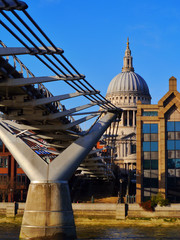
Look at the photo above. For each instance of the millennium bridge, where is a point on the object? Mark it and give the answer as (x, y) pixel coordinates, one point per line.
(42, 134)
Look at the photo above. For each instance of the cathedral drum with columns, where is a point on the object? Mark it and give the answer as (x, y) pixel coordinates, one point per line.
(124, 91)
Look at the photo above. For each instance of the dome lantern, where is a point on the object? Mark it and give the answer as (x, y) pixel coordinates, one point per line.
(129, 83)
(128, 60)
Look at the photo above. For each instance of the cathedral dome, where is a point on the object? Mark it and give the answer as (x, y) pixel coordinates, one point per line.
(128, 82)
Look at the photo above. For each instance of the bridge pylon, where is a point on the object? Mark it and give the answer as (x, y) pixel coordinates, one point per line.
(48, 212)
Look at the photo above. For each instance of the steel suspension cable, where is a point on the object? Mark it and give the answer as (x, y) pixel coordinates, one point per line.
(89, 98)
(42, 32)
(105, 102)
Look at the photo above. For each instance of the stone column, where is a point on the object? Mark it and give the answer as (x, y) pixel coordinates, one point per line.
(48, 213)
(129, 148)
(122, 119)
(125, 149)
(121, 151)
(128, 118)
(134, 118)
(162, 157)
(139, 169)
(117, 150)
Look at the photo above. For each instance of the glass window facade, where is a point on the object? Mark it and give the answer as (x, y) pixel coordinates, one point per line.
(150, 160)
(173, 160)
(150, 113)
(3, 162)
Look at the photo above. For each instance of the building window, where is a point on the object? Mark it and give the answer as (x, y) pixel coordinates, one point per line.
(133, 148)
(146, 128)
(150, 113)
(21, 179)
(170, 126)
(130, 118)
(3, 178)
(3, 162)
(173, 160)
(1, 146)
(150, 160)
(125, 118)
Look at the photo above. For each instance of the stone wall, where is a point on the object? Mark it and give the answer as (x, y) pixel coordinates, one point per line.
(134, 210)
(102, 210)
(11, 209)
(95, 210)
(120, 211)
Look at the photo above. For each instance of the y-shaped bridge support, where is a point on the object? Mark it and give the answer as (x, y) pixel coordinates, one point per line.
(48, 213)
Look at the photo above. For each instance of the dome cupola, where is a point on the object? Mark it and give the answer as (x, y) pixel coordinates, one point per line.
(128, 60)
(128, 82)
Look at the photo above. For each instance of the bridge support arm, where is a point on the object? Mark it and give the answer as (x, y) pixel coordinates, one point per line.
(34, 167)
(63, 167)
(48, 212)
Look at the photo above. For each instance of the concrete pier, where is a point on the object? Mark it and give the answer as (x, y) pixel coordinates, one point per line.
(48, 213)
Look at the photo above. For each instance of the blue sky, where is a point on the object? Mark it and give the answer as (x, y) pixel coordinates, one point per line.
(93, 34)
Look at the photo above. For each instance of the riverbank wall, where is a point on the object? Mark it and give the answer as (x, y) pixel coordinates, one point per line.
(121, 211)
(102, 211)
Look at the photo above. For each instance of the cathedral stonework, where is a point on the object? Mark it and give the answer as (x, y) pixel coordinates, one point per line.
(124, 91)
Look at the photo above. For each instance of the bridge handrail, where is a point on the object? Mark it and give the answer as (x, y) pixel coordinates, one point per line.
(40, 86)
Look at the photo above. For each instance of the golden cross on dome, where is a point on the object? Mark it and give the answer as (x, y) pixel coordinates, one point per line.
(128, 42)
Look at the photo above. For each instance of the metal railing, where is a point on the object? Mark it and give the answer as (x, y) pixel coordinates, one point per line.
(27, 73)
